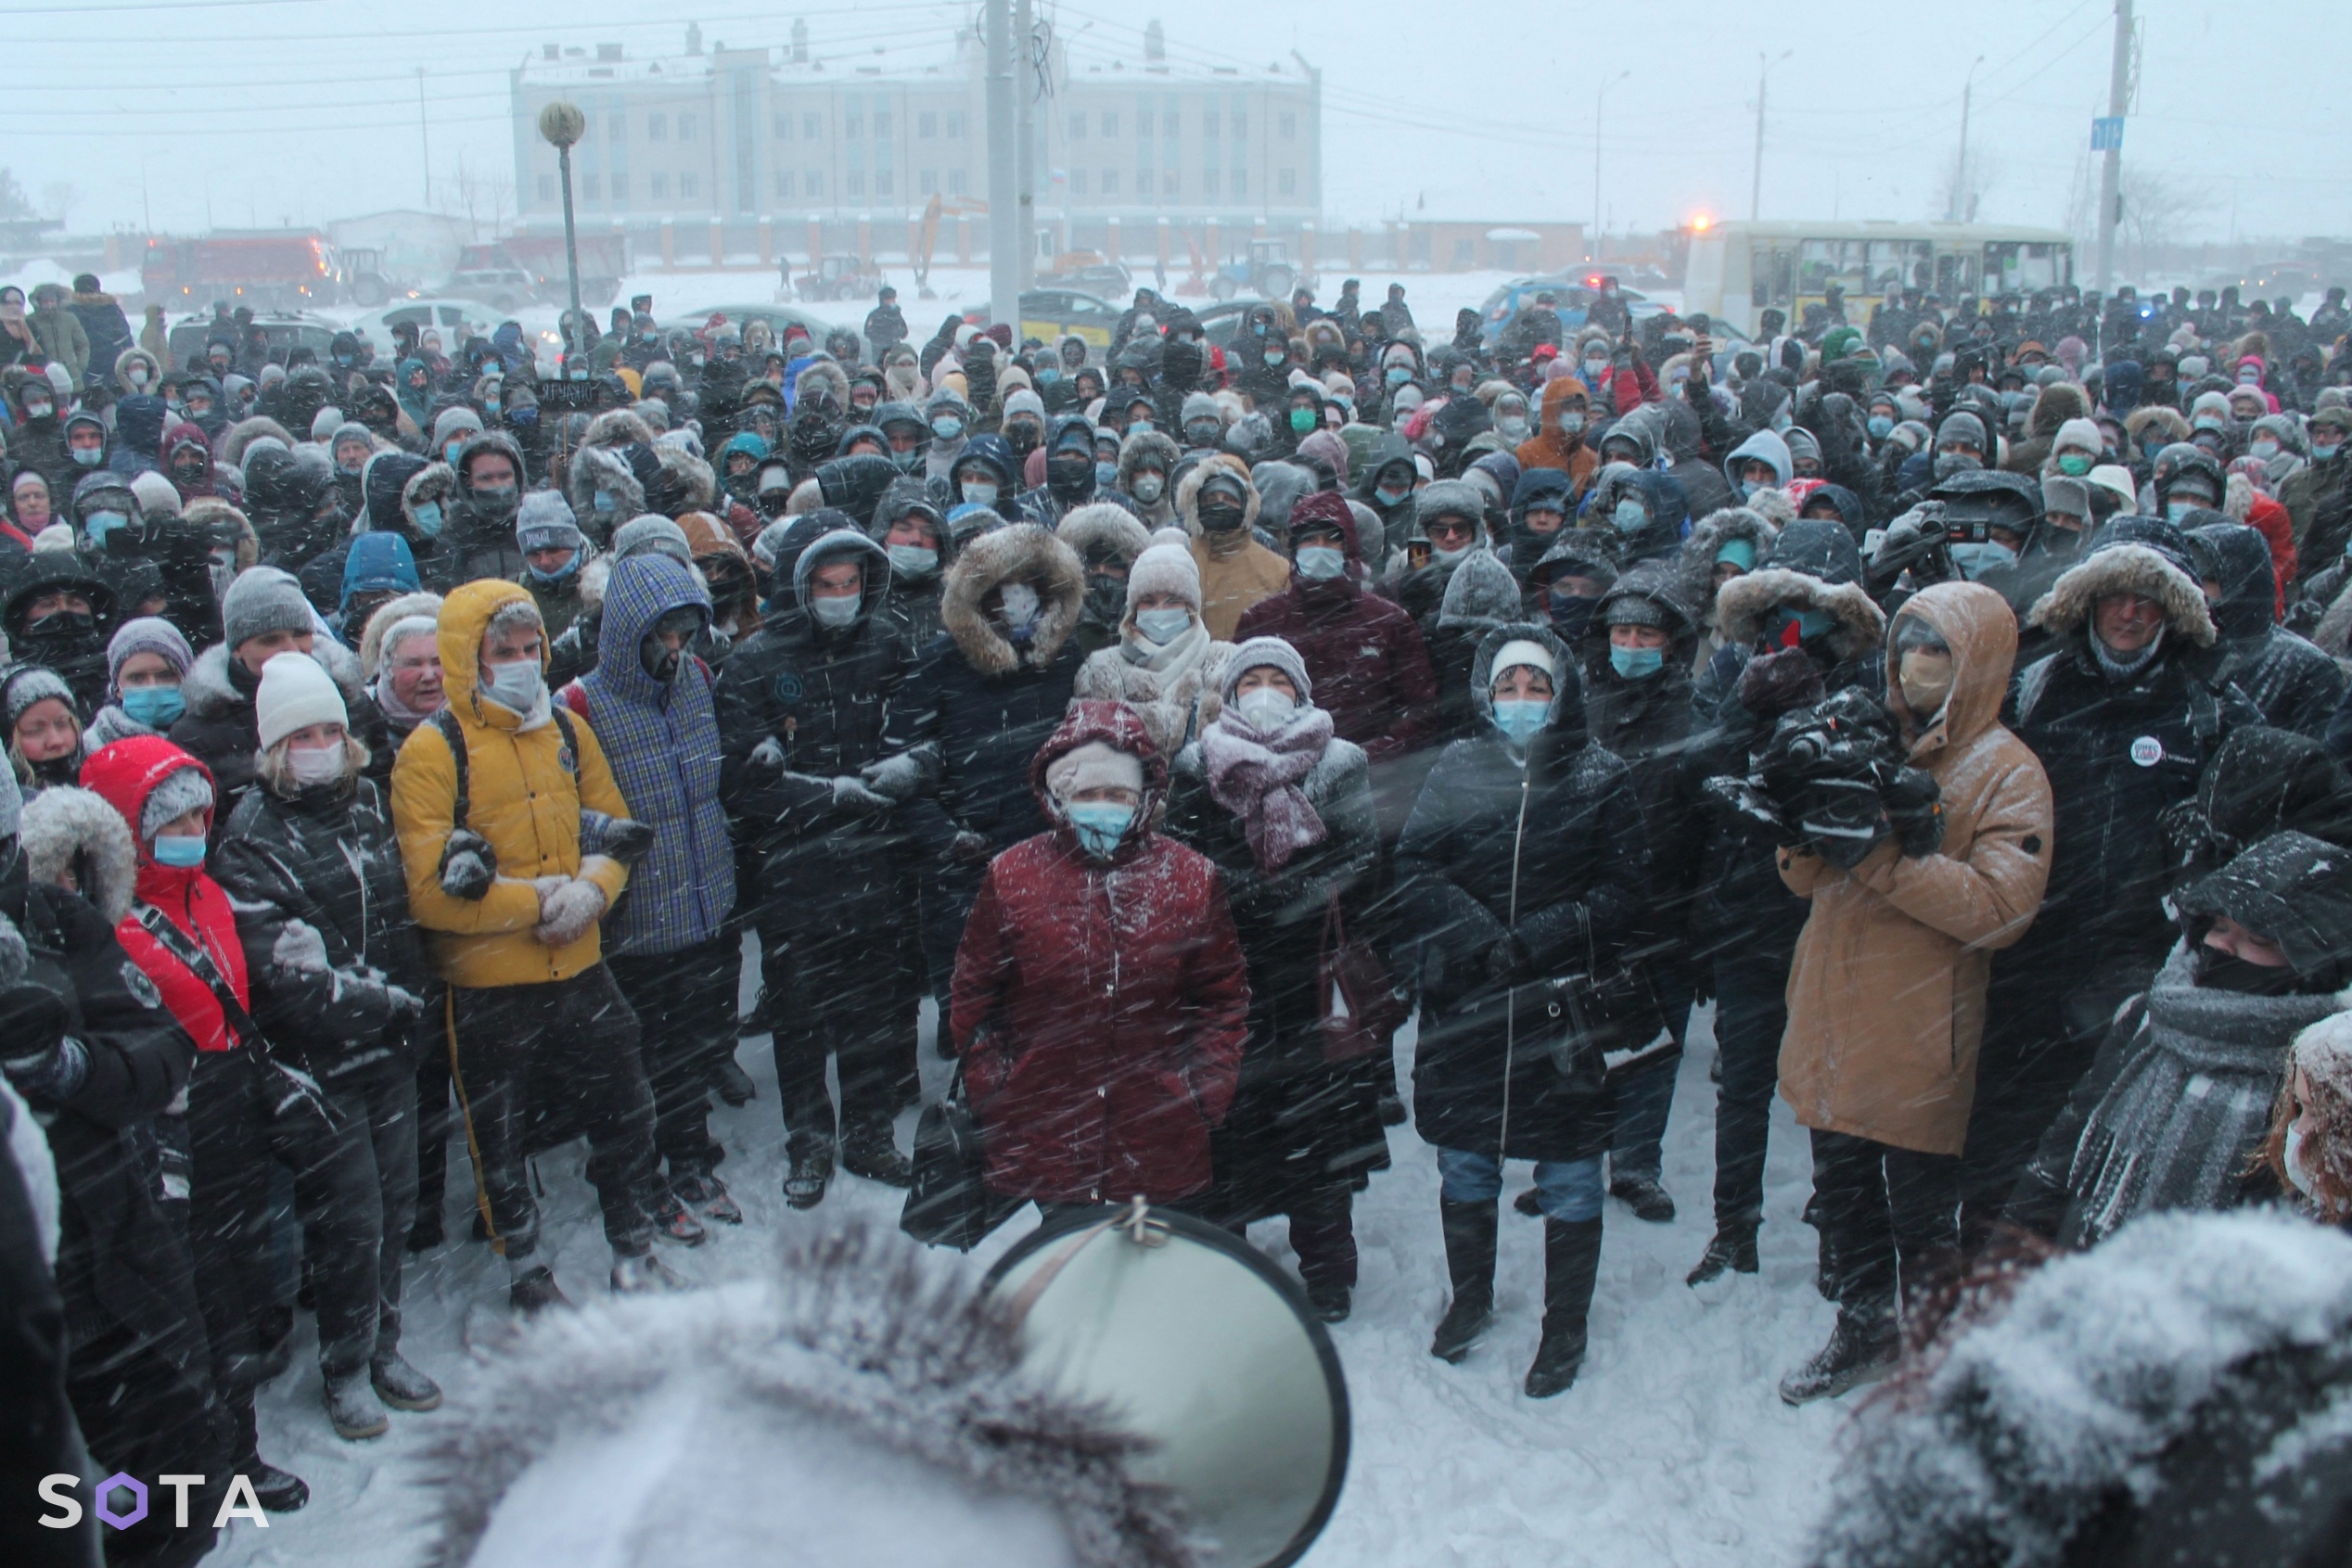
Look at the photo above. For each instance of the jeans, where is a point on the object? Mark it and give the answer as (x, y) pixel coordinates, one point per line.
(1751, 1014)
(1642, 1102)
(1565, 1189)
(1890, 1216)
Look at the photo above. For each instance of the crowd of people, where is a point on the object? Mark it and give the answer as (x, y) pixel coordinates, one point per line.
(403, 749)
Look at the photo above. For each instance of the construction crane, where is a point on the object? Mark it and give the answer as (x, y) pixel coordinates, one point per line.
(933, 210)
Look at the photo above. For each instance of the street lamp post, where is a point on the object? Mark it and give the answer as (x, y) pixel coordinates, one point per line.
(1952, 210)
(562, 123)
(1756, 185)
(1598, 99)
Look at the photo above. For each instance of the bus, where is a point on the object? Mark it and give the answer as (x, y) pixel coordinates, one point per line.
(1738, 270)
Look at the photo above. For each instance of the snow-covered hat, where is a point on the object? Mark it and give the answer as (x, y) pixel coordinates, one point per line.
(1521, 651)
(1095, 765)
(296, 692)
(1165, 568)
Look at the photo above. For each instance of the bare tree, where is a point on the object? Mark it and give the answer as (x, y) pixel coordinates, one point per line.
(2156, 206)
(485, 201)
(59, 198)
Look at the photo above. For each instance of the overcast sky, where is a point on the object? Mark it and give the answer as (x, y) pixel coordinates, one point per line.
(264, 110)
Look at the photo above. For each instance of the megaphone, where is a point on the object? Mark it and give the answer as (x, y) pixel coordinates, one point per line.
(1190, 1339)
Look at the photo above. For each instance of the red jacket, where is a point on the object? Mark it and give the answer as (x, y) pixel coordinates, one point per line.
(1100, 1008)
(124, 774)
(1365, 656)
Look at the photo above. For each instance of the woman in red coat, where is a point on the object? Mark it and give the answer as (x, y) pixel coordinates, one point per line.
(1100, 1000)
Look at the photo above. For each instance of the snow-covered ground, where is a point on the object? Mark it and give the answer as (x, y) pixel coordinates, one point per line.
(1672, 1448)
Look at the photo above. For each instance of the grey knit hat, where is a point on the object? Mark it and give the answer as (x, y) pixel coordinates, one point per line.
(544, 521)
(182, 791)
(30, 683)
(651, 532)
(1260, 653)
(148, 634)
(2066, 495)
(261, 601)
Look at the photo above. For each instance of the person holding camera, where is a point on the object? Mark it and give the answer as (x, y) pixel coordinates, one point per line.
(1887, 995)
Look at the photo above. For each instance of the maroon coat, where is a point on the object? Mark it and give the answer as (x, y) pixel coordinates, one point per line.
(1365, 655)
(1100, 1008)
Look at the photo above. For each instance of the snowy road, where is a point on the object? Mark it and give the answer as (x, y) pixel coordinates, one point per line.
(1672, 1448)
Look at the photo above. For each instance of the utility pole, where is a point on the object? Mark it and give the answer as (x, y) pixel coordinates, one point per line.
(1598, 99)
(2111, 160)
(1025, 133)
(1952, 213)
(1004, 210)
(1756, 185)
(424, 135)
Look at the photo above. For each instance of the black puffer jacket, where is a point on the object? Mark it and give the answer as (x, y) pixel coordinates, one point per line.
(479, 538)
(221, 730)
(395, 485)
(322, 911)
(1543, 860)
(2296, 686)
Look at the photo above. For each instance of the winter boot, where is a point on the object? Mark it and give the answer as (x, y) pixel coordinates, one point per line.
(1644, 1196)
(672, 1220)
(1732, 1250)
(1469, 1232)
(427, 1232)
(804, 1184)
(733, 1085)
(1392, 1110)
(400, 1385)
(1529, 1203)
(1571, 1262)
(1329, 1303)
(279, 1491)
(708, 1196)
(868, 1150)
(533, 1290)
(1863, 1347)
(641, 1273)
(352, 1405)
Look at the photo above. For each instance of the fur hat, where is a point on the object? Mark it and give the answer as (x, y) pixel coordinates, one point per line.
(69, 832)
(388, 619)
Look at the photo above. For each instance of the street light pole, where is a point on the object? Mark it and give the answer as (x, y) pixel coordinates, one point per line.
(1003, 208)
(1756, 184)
(562, 123)
(1952, 213)
(1598, 99)
(424, 135)
(2111, 159)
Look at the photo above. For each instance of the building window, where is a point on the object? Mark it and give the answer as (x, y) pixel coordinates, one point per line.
(1286, 183)
(546, 188)
(685, 187)
(955, 182)
(927, 183)
(1142, 182)
(854, 126)
(1110, 182)
(813, 183)
(955, 125)
(926, 125)
(1078, 182)
(1209, 184)
(1209, 124)
(855, 183)
(783, 127)
(661, 187)
(1143, 124)
(1171, 181)
(1241, 182)
(618, 129)
(685, 127)
(619, 186)
(812, 127)
(1289, 126)
(1078, 127)
(881, 123)
(881, 182)
(657, 127)
(784, 186)
(1167, 123)
(1110, 122)
(591, 186)
(1241, 124)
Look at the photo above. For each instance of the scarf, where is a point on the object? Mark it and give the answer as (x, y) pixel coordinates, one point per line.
(1254, 773)
(1163, 683)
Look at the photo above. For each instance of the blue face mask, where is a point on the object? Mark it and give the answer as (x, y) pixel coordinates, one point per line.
(1100, 824)
(516, 687)
(1048, 373)
(1637, 664)
(1809, 624)
(1520, 720)
(181, 853)
(1163, 627)
(1397, 374)
(428, 517)
(912, 561)
(97, 525)
(449, 452)
(1880, 426)
(559, 574)
(155, 707)
(523, 416)
(1974, 559)
(1105, 474)
(1388, 496)
(1630, 517)
(1748, 488)
(2323, 453)
(1319, 562)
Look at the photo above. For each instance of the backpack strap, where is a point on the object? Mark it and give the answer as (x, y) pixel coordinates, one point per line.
(455, 733)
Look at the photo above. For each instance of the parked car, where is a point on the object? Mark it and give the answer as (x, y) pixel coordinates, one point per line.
(505, 289)
(285, 330)
(1047, 314)
(1571, 295)
(443, 315)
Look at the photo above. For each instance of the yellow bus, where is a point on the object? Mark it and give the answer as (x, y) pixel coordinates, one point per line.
(1738, 270)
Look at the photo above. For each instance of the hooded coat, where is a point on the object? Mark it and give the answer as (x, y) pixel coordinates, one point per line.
(2295, 684)
(2053, 405)
(662, 740)
(1550, 447)
(1813, 567)
(1894, 1060)
(394, 485)
(1533, 865)
(221, 730)
(481, 541)
(1100, 1006)
(915, 601)
(526, 789)
(1235, 570)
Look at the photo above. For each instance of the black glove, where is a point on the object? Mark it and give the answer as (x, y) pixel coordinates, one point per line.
(626, 840)
(469, 865)
(32, 1023)
(970, 849)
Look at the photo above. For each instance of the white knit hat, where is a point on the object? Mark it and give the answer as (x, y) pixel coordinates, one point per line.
(1165, 568)
(1518, 651)
(1095, 765)
(295, 694)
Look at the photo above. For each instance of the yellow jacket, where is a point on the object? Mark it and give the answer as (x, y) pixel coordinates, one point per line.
(524, 796)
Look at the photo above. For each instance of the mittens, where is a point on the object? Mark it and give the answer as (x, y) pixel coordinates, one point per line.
(469, 865)
(566, 914)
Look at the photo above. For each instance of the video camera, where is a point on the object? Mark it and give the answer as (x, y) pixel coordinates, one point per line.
(1833, 779)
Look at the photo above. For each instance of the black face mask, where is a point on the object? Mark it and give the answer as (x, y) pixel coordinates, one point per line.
(1070, 475)
(1106, 598)
(1220, 516)
(2217, 971)
(62, 627)
(57, 771)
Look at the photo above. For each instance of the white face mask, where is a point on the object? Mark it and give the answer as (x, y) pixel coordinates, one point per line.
(516, 687)
(1020, 607)
(1265, 708)
(2291, 1157)
(312, 766)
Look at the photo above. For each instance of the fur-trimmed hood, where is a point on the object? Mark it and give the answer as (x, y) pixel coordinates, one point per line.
(2169, 422)
(2053, 405)
(223, 520)
(822, 375)
(210, 692)
(1103, 528)
(1031, 555)
(1694, 567)
(615, 428)
(239, 437)
(2126, 569)
(391, 613)
(605, 468)
(1741, 608)
(1188, 491)
(855, 1387)
(72, 831)
(1146, 446)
